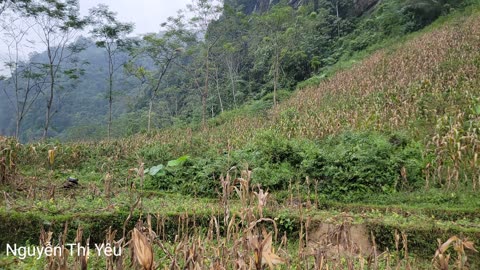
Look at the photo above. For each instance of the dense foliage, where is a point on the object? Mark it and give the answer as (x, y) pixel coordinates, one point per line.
(346, 167)
(240, 53)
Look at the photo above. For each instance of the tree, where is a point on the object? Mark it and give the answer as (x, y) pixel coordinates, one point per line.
(57, 24)
(205, 12)
(4, 5)
(161, 51)
(231, 49)
(109, 34)
(340, 9)
(426, 11)
(25, 82)
(275, 29)
(13, 5)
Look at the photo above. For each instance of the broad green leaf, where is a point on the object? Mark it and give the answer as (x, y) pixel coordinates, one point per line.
(177, 162)
(156, 169)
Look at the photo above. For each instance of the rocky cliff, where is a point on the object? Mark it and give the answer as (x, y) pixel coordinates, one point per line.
(364, 5)
(251, 6)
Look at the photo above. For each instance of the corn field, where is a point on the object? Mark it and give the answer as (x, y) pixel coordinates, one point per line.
(245, 240)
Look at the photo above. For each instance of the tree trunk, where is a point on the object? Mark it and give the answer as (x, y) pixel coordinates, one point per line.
(176, 105)
(110, 105)
(110, 92)
(232, 81)
(315, 5)
(48, 113)
(338, 18)
(232, 75)
(154, 91)
(218, 90)
(17, 128)
(18, 114)
(49, 102)
(275, 76)
(150, 107)
(204, 109)
(205, 92)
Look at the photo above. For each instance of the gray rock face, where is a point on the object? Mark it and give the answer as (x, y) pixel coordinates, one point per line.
(251, 6)
(263, 5)
(260, 6)
(364, 5)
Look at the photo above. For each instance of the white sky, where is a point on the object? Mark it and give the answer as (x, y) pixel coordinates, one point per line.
(147, 15)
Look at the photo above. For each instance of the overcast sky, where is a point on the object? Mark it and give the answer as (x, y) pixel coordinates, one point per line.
(147, 15)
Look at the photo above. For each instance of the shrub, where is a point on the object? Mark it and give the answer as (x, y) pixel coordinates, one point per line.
(156, 153)
(353, 164)
(277, 149)
(190, 176)
(347, 166)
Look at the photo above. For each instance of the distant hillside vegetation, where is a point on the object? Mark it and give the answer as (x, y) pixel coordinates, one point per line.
(252, 52)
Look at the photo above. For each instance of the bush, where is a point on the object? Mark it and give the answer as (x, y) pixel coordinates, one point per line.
(276, 149)
(190, 176)
(354, 164)
(347, 166)
(275, 160)
(156, 153)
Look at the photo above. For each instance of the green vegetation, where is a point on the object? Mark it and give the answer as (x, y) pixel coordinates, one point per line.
(377, 151)
(186, 77)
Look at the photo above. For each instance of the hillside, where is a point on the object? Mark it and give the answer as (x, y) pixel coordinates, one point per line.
(366, 164)
(250, 51)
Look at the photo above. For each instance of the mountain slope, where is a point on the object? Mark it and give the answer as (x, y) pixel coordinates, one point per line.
(298, 43)
(426, 89)
(420, 94)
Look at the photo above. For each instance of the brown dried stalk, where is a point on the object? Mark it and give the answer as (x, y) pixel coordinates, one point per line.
(441, 260)
(142, 249)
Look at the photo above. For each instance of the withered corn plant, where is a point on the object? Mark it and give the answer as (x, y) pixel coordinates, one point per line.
(9, 149)
(142, 250)
(441, 260)
(248, 240)
(58, 260)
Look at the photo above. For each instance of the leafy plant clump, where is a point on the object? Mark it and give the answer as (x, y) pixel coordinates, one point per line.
(344, 167)
(353, 164)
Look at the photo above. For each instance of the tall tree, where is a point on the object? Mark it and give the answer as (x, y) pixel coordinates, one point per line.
(111, 35)
(204, 13)
(160, 51)
(156, 55)
(273, 26)
(57, 24)
(25, 82)
(231, 49)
